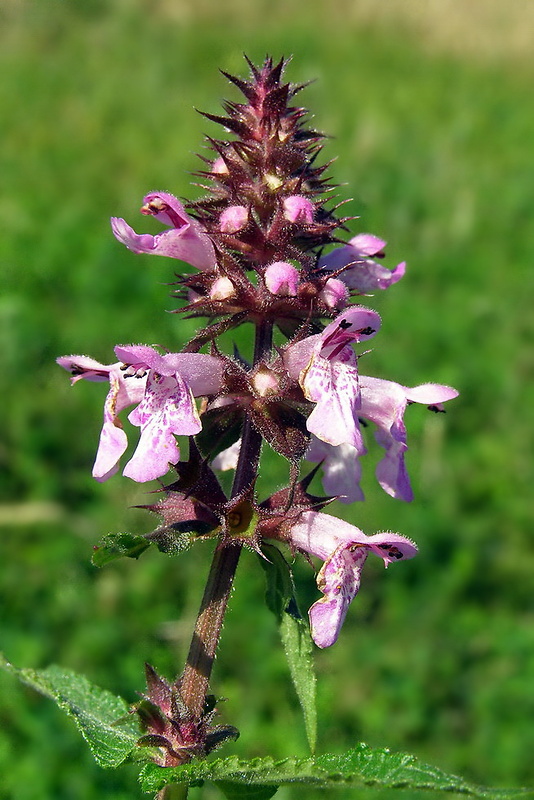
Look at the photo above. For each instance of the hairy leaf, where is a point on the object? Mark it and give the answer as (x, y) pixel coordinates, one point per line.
(119, 545)
(95, 711)
(360, 767)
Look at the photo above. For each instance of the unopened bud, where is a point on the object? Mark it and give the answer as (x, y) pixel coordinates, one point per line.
(282, 278)
(219, 166)
(222, 289)
(298, 209)
(265, 382)
(233, 219)
(334, 294)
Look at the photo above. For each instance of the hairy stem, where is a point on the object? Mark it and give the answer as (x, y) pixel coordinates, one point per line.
(194, 683)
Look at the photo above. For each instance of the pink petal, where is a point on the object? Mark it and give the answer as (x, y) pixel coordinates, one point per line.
(334, 389)
(341, 469)
(367, 244)
(339, 580)
(167, 408)
(430, 394)
(282, 278)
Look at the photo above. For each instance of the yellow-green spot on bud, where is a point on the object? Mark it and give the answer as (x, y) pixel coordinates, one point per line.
(273, 181)
(242, 521)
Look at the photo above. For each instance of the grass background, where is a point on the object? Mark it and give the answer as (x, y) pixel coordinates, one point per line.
(430, 108)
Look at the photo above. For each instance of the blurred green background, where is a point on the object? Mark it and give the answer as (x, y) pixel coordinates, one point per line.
(430, 110)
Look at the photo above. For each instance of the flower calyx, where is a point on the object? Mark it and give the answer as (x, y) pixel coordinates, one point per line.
(177, 735)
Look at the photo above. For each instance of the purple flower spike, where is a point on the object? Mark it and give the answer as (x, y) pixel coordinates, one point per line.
(344, 549)
(360, 272)
(186, 240)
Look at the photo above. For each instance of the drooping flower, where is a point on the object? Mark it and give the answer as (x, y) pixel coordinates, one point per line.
(163, 387)
(344, 549)
(360, 272)
(384, 403)
(326, 367)
(186, 239)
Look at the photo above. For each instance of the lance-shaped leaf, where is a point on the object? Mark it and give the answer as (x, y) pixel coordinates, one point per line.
(280, 596)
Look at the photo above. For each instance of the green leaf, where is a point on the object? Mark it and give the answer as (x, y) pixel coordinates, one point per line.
(295, 635)
(95, 711)
(243, 791)
(360, 767)
(119, 545)
(298, 646)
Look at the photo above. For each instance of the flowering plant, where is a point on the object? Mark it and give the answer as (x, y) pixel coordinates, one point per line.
(267, 249)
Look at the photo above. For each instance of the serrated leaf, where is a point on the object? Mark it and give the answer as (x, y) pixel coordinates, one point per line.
(295, 635)
(119, 545)
(95, 711)
(360, 767)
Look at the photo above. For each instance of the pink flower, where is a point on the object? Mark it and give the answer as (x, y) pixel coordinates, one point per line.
(360, 272)
(163, 387)
(342, 470)
(185, 240)
(344, 549)
(384, 403)
(326, 368)
(334, 294)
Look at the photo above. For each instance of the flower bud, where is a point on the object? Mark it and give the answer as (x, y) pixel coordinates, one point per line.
(265, 382)
(298, 209)
(334, 294)
(233, 219)
(222, 289)
(219, 166)
(282, 278)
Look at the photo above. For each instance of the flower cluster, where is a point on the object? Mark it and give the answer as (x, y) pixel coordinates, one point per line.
(265, 249)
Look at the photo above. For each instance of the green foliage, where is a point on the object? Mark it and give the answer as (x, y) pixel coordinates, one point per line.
(294, 631)
(102, 719)
(362, 767)
(119, 545)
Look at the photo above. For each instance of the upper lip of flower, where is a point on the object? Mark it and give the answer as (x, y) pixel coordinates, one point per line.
(186, 239)
(355, 267)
